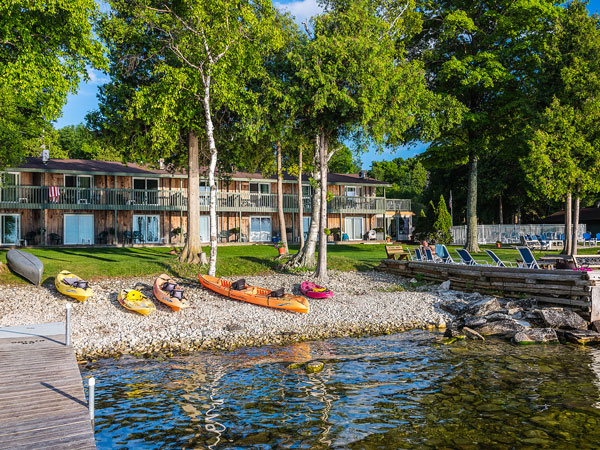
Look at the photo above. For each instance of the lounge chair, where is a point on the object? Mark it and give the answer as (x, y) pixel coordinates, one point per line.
(529, 261)
(429, 255)
(587, 239)
(467, 259)
(497, 261)
(443, 254)
(418, 255)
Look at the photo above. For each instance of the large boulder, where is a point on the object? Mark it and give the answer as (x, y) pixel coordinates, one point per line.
(582, 336)
(595, 326)
(484, 307)
(474, 321)
(455, 308)
(536, 335)
(497, 316)
(506, 328)
(562, 319)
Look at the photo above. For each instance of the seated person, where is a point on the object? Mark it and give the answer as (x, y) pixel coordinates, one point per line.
(425, 245)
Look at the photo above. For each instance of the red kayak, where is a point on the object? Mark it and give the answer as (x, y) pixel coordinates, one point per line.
(313, 290)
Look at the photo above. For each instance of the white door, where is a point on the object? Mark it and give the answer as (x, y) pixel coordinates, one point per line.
(10, 228)
(79, 229)
(354, 228)
(147, 228)
(260, 229)
(205, 228)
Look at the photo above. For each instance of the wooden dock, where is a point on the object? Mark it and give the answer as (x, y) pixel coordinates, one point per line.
(42, 402)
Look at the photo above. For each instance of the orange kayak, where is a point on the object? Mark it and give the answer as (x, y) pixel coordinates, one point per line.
(169, 297)
(256, 295)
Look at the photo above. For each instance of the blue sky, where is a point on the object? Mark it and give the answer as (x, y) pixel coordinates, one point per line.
(79, 104)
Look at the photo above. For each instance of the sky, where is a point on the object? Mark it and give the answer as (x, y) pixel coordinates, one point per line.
(85, 100)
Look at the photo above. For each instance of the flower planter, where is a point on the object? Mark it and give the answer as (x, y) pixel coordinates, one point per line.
(281, 250)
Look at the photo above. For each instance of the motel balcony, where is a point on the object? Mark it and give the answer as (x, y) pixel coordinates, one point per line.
(44, 197)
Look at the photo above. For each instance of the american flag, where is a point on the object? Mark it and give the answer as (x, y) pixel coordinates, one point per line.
(54, 193)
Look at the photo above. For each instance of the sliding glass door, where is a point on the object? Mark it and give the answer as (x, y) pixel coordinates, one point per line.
(146, 229)
(353, 227)
(260, 229)
(10, 229)
(79, 229)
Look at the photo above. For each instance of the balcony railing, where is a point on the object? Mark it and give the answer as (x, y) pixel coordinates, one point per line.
(397, 204)
(36, 197)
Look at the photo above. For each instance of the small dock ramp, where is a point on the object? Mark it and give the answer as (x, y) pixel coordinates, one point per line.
(42, 402)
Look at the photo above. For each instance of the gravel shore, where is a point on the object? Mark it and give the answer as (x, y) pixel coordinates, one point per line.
(364, 303)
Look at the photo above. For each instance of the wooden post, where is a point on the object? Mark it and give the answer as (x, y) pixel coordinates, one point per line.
(595, 304)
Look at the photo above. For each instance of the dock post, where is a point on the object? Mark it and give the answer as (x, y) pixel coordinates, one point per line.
(91, 397)
(68, 326)
(595, 304)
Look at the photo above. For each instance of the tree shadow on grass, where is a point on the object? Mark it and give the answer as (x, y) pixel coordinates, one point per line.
(88, 255)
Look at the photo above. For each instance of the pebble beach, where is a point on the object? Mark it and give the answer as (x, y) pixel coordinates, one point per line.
(364, 303)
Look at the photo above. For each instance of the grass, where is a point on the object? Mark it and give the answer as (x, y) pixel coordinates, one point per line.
(105, 262)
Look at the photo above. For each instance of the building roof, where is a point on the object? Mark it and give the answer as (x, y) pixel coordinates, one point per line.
(585, 215)
(119, 168)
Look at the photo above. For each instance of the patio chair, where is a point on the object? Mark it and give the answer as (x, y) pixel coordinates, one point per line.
(127, 237)
(467, 259)
(137, 237)
(529, 261)
(443, 254)
(55, 239)
(497, 261)
(587, 239)
(102, 238)
(429, 256)
(418, 255)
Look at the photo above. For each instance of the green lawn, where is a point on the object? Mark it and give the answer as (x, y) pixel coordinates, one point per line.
(95, 262)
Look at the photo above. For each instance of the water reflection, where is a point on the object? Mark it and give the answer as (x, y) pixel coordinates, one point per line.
(402, 391)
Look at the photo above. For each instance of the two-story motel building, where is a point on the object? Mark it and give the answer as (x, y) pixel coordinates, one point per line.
(83, 202)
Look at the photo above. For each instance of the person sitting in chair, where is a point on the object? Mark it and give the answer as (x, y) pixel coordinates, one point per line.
(425, 245)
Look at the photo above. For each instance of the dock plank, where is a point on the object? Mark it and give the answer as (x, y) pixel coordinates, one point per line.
(41, 391)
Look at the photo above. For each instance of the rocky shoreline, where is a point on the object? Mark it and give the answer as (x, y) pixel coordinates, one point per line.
(365, 303)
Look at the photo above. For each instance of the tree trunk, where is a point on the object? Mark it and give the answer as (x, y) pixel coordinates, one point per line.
(305, 258)
(280, 214)
(575, 225)
(300, 200)
(568, 236)
(212, 262)
(321, 272)
(472, 245)
(500, 212)
(192, 251)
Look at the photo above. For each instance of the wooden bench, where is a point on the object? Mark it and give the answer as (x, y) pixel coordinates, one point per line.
(396, 252)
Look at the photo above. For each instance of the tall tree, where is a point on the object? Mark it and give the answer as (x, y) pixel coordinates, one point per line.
(208, 52)
(358, 84)
(565, 145)
(485, 55)
(45, 48)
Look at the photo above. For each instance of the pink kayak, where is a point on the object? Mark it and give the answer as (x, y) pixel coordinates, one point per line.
(313, 290)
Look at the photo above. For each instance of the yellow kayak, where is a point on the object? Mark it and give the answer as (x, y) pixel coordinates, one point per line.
(136, 301)
(70, 284)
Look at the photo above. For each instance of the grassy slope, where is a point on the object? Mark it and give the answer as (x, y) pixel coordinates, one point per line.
(95, 262)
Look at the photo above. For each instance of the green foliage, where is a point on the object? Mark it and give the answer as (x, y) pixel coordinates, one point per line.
(442, 224)
(343, 161)
(565, 150)
(78, 142)
(45, 48)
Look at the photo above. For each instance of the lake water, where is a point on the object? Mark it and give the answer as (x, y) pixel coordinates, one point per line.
(399, 391)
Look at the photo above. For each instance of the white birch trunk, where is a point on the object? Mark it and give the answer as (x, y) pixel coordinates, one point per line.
(300, 202)
(568, 235)
(282, 230)
(321, 272)
(212, 261)
(575, 225)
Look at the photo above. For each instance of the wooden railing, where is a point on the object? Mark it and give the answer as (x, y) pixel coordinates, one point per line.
(36, 197)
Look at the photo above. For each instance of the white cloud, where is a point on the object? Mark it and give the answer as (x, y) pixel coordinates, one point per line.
(300, 9)
(96, 77)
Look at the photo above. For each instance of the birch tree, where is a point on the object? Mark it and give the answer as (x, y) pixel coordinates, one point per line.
(211, 50)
